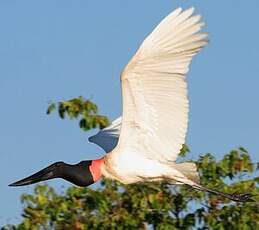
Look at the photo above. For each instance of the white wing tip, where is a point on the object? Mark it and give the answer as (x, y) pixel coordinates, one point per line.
(178, 10)
(191, 9)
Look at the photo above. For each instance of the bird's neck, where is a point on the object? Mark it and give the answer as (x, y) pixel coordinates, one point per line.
(95, 169)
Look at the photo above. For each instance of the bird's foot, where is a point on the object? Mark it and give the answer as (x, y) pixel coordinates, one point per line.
(242, 197)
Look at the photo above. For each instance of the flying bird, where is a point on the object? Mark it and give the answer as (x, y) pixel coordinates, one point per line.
(143, 145)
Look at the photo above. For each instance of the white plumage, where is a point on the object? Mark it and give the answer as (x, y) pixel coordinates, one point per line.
(155, 104)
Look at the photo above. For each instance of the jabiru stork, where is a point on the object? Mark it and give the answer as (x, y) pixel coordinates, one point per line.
(143, 145)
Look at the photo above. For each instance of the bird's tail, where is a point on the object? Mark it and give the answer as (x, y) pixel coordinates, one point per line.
(189, 169)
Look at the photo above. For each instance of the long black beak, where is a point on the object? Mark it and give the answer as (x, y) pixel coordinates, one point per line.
(78, 174)
(50, 172)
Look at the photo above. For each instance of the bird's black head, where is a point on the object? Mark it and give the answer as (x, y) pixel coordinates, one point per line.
(78, 174)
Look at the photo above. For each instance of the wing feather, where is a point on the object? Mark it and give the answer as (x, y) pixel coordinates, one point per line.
(154, 90)
(107, 138)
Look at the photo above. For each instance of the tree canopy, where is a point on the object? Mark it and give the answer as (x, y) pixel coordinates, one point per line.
(145, 206)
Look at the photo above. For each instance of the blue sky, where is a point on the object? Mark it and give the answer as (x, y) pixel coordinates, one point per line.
(53, 50)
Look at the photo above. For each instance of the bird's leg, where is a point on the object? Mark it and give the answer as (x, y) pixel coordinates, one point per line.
(238, 197)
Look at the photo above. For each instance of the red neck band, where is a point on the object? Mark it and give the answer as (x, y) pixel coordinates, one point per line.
(95, 169)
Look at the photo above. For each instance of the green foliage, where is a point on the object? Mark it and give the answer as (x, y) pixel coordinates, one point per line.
(141, 206)
(79, 108)
(184, 150)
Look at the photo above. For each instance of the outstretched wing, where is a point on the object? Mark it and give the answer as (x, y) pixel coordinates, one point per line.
(108, 137)
(155, 103)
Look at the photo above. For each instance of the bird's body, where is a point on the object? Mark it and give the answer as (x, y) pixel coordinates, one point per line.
(143, 145)
(132, 167)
